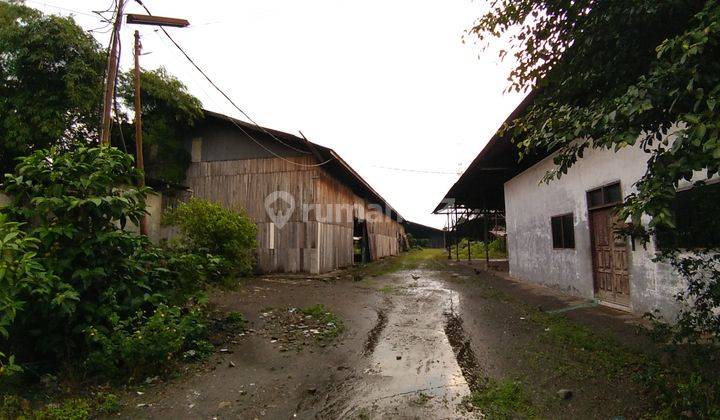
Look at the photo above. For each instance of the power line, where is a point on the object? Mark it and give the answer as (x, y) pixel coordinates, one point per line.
(211, 99)
(235, 105)
(420, 171)
(61, 8)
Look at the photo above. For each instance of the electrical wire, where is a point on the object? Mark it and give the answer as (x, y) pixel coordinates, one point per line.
(61, 8)
(421, 171)
(236, 106)
(216, 87)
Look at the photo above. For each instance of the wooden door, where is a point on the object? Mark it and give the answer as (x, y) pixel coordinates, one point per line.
(610, 258)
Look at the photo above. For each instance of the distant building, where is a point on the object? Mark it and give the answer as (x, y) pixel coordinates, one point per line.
(313, 211)
(434, 238)
(561, 234)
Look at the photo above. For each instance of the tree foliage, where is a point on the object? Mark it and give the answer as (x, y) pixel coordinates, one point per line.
(613, 74)
(51, 76)
(168, 112)
(71, 275)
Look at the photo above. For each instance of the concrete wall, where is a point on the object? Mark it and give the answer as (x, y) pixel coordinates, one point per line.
(530, 205)
(155, 230)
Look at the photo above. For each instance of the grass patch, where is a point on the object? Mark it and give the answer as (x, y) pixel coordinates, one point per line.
(79, 408)
(503, 399)
(431, 258)
(333, 324)
(496, 250)
(386, 289)
(236, 320)
(582, 351)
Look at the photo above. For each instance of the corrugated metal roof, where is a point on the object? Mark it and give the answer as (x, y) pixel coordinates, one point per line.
(481, 185)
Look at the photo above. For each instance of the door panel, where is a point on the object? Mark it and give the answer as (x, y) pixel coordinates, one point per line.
(610, 258)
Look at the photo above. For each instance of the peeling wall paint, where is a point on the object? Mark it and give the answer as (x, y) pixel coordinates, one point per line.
(530, 205)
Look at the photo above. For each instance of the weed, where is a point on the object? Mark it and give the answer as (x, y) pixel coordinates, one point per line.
(334, 325)
(109, 404)
(235, 320)
(415, 259)
(387, 289)
(503, 399)
(422, 398)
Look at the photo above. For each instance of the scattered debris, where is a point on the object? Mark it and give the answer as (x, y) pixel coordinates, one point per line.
(295, 328)
(231, 364)
(565, 394)
(398, 357)
(224, 404)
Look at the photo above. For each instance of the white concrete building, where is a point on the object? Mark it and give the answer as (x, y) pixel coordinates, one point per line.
(560, 234)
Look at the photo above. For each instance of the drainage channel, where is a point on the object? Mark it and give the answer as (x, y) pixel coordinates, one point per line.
(463, 351)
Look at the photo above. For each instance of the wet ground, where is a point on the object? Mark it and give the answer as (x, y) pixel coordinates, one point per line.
(416, 344)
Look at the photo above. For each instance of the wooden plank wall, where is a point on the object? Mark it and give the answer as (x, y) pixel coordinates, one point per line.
(336, 222)
(321, 243)
(383, 232)
(244, 184)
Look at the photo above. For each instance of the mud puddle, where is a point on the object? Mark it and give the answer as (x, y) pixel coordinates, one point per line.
(412, 368)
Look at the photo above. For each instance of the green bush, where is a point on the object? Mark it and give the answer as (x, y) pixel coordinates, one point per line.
(144, 343)
(21, 275)
(208, 228)
(418, 243)
(496, 249)
(70, 275)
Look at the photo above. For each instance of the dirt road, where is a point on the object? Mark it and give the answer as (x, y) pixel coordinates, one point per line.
(424, 342)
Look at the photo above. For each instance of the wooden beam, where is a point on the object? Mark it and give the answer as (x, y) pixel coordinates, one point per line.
(157, 21)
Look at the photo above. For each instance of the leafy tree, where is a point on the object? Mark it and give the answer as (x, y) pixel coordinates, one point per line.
(73, 204)
(51, 77)
(75, 287)
(168, 112)
(611, 74)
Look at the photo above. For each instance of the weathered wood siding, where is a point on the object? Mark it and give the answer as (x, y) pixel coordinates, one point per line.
(244, 184)
(384, 233)
(315, 239)
(334, 215)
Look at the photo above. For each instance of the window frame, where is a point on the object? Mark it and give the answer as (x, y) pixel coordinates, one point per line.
(563, 242)
(602, 189)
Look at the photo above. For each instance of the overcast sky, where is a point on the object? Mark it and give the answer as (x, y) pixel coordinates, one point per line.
(386, 83)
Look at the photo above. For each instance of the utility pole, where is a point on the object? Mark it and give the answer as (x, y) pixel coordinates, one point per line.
(111, 74)
(139, 158)
(139, 163)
